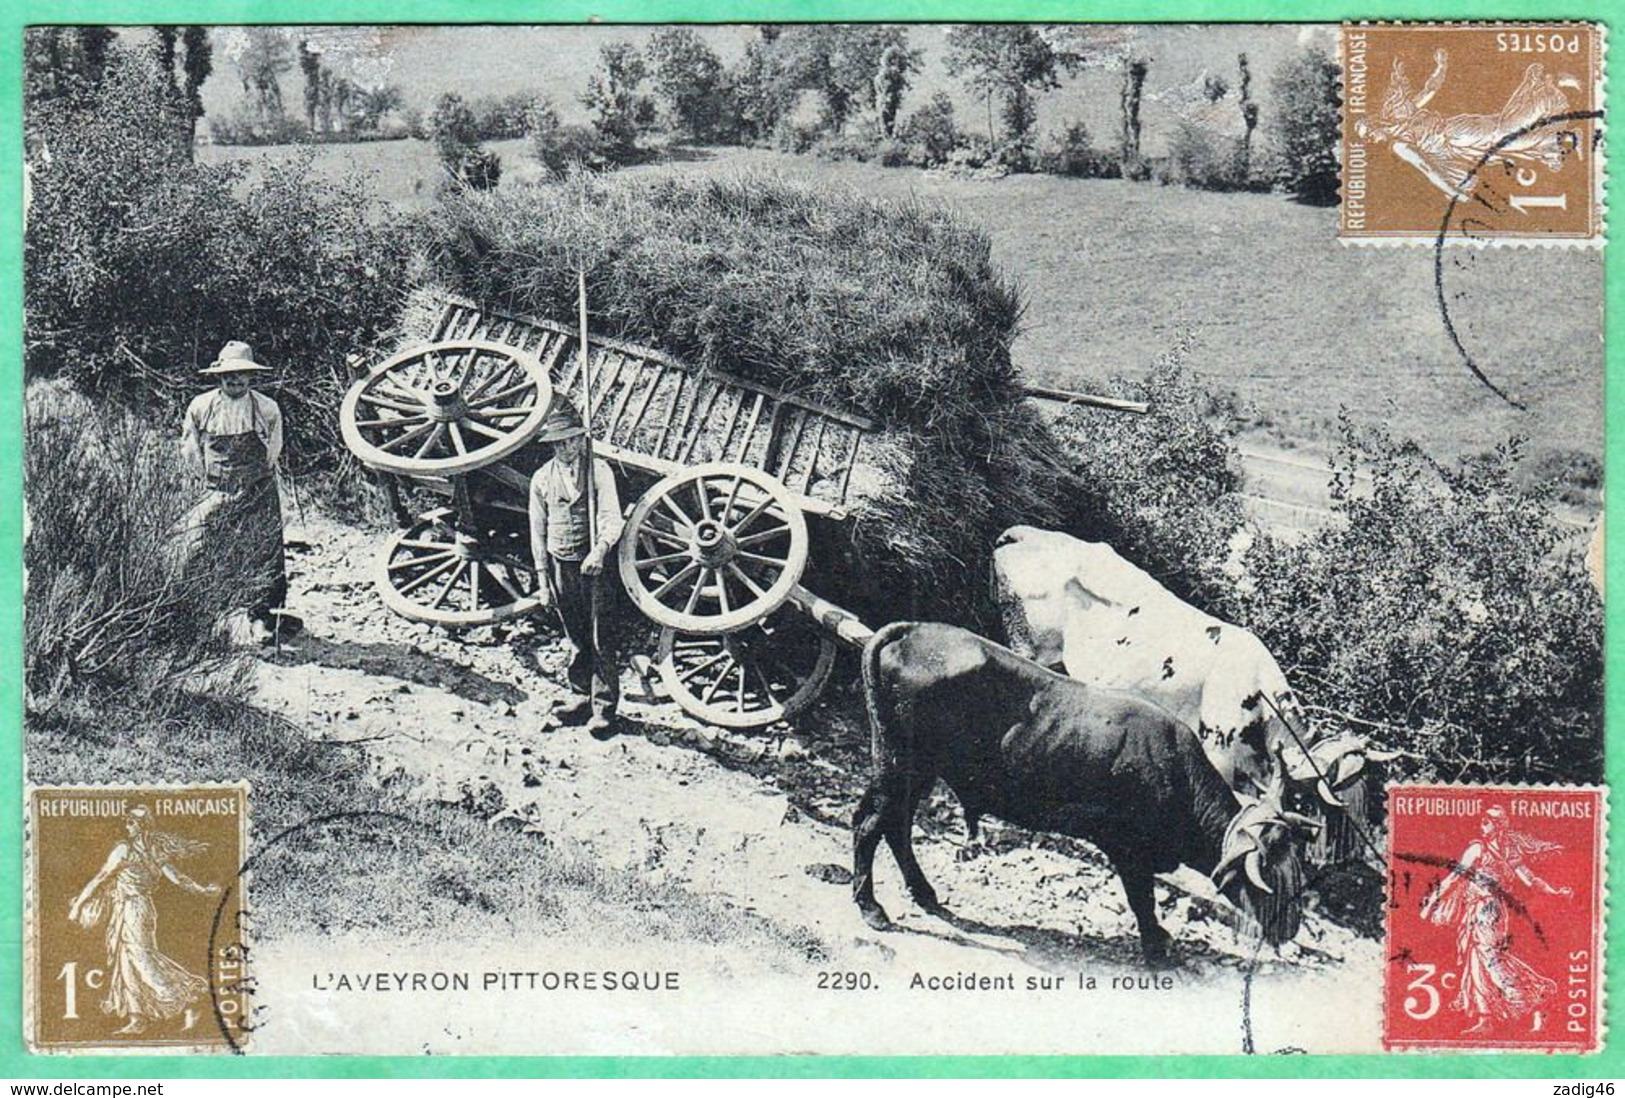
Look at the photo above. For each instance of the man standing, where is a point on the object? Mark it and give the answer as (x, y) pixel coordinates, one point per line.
(574, 523)
(234, 435)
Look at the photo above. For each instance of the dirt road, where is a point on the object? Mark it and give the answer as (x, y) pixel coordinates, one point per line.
(758, 820)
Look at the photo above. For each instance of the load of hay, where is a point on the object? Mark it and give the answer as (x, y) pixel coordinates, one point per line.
(894, 312)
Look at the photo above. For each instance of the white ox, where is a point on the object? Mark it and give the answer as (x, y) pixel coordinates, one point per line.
(1080, 606)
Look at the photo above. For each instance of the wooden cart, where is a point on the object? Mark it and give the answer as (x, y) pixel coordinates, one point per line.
(724, 473)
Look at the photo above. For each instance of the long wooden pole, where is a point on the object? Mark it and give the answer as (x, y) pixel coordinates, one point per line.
(586, 406)
(1067, 396)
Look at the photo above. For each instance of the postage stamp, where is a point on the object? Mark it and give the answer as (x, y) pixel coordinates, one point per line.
(135, 921)
(1481, 132)
(1495, 917)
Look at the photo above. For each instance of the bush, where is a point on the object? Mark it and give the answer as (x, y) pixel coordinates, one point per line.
(140, 265)
(1441, 612)
(1446, 607)
(454, 132)
(1161, 488)
(622, 112)
(111, 602)
(1302, 126)
(791, 136)
(858, 143)
(247, 127)
(1072, 152)
(1199, 159)
(930, 132)
(502, 117)
(893, 312)
(561, 148)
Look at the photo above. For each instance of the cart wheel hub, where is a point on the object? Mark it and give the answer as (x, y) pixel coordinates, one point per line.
(446, 401)
(713, 545)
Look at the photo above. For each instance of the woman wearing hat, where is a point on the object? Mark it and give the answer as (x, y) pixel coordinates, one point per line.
(573, 527)
(234, 435)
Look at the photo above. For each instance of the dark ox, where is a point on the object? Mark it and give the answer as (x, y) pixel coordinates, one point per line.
(1080, 606)
(1042, 751)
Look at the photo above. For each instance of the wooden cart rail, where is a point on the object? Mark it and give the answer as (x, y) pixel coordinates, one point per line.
(659, 414)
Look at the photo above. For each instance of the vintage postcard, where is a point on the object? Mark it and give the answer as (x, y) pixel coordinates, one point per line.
(814, 539)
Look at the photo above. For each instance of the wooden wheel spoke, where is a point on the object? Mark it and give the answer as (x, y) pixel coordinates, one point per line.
(743, 682)
(753, 515)
(762, 535)
(406, 438)
(418, 581)
(502, 394)
(490, 414)
(776, 563)
(501, 576)
(501, 373)
(418, 543)
(456, 573)
(733, 495)
(702, 666)
(702, 491)
(432, 441)
(663, 558)
(392, 405)
(474, 585)
(677, 511)
(390, 385)
(739, 574)
(418, 561)
(675, 579)
(722, 677)
(398, 421)
(767, 687)
(457, 442)
(470, 424)
(697, 591)
(722, 590)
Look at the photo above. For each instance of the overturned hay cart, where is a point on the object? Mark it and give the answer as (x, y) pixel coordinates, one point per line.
(724, 473)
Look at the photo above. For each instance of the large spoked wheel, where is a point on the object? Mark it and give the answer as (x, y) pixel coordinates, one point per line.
(445, 408)
(713, 548)
(432, 572)
(765, 672)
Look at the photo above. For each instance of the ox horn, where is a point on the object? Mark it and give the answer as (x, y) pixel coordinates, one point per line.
(1378, 756)
(1304, 822)
(1255, 872)
(1227, 864)
(1327, 795)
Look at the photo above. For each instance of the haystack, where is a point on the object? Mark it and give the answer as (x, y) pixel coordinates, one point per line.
(893, 312)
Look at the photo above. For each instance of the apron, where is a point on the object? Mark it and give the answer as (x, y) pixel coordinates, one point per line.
(240, 513)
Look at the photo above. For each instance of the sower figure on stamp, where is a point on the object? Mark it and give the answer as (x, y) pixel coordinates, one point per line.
(234, 436)
(143, 983)
(574, 524)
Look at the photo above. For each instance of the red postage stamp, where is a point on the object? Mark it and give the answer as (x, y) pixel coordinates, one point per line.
(1495, 918)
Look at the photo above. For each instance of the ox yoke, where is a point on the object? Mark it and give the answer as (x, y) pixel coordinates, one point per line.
(1045, 752)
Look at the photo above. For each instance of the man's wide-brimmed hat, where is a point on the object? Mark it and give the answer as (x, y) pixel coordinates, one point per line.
(561, 422)
(236, 357)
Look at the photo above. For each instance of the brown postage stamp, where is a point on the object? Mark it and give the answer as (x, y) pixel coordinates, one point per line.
(135, 925)
(1477, 132)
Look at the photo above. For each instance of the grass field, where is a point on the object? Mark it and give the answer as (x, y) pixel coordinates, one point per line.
(1297, 326)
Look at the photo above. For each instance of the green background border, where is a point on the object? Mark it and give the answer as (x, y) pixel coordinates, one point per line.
(15, 14)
